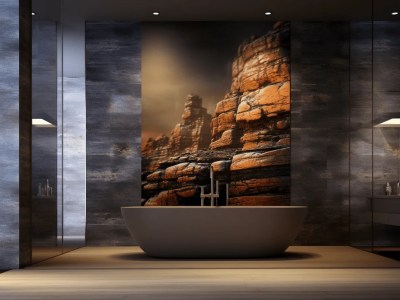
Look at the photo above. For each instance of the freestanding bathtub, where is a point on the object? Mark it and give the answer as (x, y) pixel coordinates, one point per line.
(214, 232)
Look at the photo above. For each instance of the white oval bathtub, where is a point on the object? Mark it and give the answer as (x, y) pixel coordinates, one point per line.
(214, 232)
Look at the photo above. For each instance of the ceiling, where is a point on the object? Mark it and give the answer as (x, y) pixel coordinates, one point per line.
(218, 10)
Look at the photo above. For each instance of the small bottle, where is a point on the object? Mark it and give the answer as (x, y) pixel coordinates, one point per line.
(47, 188)
(388, 189)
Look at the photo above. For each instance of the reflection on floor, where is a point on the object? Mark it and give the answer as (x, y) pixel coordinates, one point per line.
(126, 273)
(42, 253)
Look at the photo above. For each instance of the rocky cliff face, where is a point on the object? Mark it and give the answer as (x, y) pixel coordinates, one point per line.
(194, 132)
(256, 112)
(189, 136)
(247, 141)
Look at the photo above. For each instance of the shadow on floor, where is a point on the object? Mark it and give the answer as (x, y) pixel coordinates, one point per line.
(285, 256)
(389, 254)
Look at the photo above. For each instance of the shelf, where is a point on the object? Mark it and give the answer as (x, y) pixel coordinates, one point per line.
(386, 210)
(386, 197)
(44, 197)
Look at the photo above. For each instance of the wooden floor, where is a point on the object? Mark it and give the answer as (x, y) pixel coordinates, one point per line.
(217, 279)
(295, 257)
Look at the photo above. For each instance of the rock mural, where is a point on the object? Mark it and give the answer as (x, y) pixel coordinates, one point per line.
(246, 142)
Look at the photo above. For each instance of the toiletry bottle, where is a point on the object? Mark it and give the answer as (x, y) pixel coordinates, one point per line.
(388, 189)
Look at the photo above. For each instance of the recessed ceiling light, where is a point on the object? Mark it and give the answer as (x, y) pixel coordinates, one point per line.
(395, 13)
(268, 13)
(33, 14)
(41, 123)
(156, 13)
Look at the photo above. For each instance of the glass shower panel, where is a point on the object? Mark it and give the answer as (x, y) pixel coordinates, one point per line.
(386, 135)
(360, 134)
(46, 240)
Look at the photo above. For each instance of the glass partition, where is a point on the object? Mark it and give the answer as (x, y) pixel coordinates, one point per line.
(58, 129)
(46, 196)
(386, 133)
(375, 131)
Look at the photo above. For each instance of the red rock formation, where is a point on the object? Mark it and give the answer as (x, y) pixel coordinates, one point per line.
(155, 151)
(248, 142)
(260, 200)
(262, 61)
(189, 136)
(224, 131)
(171, 197)
(254, 160)
(194, 132)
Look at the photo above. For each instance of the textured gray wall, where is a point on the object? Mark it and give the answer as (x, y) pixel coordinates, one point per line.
(360, 134)
(74, 161)
(15, 126)
(386, 143)
(74, 127)
(9, 142)
(113, 65)
(320, 118)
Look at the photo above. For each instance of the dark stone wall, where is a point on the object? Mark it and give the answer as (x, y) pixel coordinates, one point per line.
(386, 141)
(360, 134)
(15, 128)
(25, 129)
(113, 65)
(320, 118)
(9, 124)
(332, 128)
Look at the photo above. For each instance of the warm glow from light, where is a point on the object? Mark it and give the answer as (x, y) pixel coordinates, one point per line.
(268, 13)
(33, 14)
(41, 123)
(395, 13)
(156, 13)
(395, 122)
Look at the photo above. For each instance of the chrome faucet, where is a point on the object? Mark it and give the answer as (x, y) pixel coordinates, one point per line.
(212, 195)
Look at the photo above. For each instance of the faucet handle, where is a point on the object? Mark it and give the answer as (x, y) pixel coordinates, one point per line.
(202, 187)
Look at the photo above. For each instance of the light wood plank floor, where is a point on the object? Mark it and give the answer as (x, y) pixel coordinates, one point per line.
(294, 257)
(178, 283)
